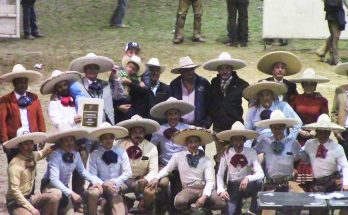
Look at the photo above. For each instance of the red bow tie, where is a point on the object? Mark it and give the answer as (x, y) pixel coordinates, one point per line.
(321, 152)
(67, 101)
(134, 152)
(239, 159)
(168, 133)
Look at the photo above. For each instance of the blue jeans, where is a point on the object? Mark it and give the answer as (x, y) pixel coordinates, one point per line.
(29, 20)
(120, 11)
(235, 203)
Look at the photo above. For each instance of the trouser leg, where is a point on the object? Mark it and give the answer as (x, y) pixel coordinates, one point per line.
(232, 20)
(119, 13)
(181, 17)
(26, 19)
(197, 21)
(33, 25)
(335, 35)
(243, 26)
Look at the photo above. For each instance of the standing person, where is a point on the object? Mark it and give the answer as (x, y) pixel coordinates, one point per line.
(226, 90)
(30, 29)
(20, 108)
(193, 89)
(197, 6)
(336, 21)
(116, 19)
(280, 64)
(238, 29)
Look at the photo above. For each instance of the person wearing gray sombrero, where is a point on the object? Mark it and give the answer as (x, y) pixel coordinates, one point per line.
(21, 171)
(169, 111)
(20, 108)
(244, 171)
(111, 164)
(226, 90)
(327, 158)
(280, 64)
(193, 89)
(196, 172)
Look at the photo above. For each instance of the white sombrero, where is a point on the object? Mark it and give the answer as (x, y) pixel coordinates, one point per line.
(105, 64)
(159, 110)
(292, 62)
(154, 62)
(277, 117)
(184, 63)
(23, 134)
(205, 135)
(251, 91)
(224, 59)
(134, 59)
(309, 75)
(342, 69)
(64, 130)
(324, 123)
(238, 129)
(47, 87)
(107, 128)
(149, 125)
(19, 71)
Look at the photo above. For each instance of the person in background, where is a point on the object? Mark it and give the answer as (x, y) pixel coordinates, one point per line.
(30, 28)
(116, 19)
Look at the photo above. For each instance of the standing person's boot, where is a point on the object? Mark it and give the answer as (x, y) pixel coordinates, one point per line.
(197, 29)
(179, 29)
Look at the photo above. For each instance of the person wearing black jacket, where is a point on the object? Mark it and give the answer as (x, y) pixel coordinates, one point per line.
(30, 28)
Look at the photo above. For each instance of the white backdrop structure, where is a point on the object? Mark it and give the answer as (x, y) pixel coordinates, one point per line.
(303, 19)
(9, 18)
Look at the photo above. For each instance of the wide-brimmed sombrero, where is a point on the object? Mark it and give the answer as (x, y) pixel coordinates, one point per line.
(159, 111)
(105, 64)
(47, 87)
(23, 134)
(64, 130)
(205, 135)
(324, 123)
(224, 59)
(149, 125)
(309, 75)
(19, 71)
(154, 62)
(277, 117)
(238, 129)
(184, 63)
(341, 69)
(136, 60)
(107, 128)
(253, 90)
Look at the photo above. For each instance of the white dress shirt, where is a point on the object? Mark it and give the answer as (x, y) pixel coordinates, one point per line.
(59, 114)
(253, 170)
(24, 113)
(204, 172)
(335, 159)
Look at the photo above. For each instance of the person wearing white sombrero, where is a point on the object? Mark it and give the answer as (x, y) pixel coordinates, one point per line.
(143, 157)
(21, 171)
(280, 64)
(327, 158)
(61, 164)
(196, 172)
(226, 90)
(90, 86)
(193, 89)
(111, 164)
(265, 94)
(20, 108)
(244, 171)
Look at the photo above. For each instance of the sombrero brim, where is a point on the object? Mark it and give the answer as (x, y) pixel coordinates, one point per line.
(292, 62)
(149, 125)
(177, 70)
(226, 135)
(105, 64)
(118, 131)
(48, 86)
(142, 68)
(162, 67)
(212, 65)
(342, 69)
(159, 111)
(315, 126)
(317, 79)
(78, 133)
(36, 137)
(32, 76)
(205, 135)
(252, 91)
(266, 123)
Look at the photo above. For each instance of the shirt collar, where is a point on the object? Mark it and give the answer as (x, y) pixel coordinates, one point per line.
(18, 96)
(281, 81)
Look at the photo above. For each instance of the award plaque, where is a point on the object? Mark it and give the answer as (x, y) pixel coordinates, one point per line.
(91, 111)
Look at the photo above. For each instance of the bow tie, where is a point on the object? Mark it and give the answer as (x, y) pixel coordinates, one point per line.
(24, 101)
(321, 152)
(110, 157)
(134, 152)
(168, 133)
(239, 159)
(68, 157)
(193, 160)
(278, 147)
(67, 101)
(95, 87)
(30, 164)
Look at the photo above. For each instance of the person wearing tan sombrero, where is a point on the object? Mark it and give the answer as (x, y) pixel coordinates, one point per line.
(21, 171)
(327, 158)
(61, 164)
(280, 152)
(169, 111)
(226, 90)
(20, 108)
(111, 164)
(244, 171)
(196, 172)
(280, 64)
(143, 157)
(193, 89)
(265, 94)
